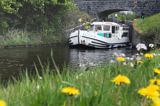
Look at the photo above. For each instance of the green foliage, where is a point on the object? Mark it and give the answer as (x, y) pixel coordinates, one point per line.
(150, 27)
(3, 25)
(44, 16)
(126, 16)
(10, 6)
(148, 23)
(16, 37)
(70, 4)
(123, 16)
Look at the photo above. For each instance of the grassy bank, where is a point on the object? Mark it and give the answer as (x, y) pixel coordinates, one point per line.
(91, 88)
(149, 27)
(148, 23)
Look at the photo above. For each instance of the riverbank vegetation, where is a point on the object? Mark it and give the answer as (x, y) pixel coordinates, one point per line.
(37, 21)
(124, 15)
(149, 27)
(124, 82)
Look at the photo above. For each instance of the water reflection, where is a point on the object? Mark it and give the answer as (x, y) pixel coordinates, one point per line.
(84, 58)
(16, 60)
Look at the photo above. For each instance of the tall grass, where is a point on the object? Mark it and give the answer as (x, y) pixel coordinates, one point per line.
(148, 23)
(96, 88)
(19, 37)
(24, 37)
(149, 28)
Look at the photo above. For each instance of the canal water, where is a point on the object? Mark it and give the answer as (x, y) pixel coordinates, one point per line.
(14, 61)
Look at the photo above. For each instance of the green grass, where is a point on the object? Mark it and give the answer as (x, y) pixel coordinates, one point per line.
(148, 23)
(96, 88)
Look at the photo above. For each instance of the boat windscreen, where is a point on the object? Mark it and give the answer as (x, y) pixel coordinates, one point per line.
(106, 28)
(98, 27)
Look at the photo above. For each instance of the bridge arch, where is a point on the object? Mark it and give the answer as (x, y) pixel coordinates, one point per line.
(105, 13)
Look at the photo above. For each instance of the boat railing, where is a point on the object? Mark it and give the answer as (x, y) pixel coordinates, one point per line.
(125, 28)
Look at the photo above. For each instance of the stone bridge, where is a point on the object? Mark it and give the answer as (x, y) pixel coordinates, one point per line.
(102, 8)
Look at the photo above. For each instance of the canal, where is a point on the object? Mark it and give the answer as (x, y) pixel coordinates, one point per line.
(14, 61)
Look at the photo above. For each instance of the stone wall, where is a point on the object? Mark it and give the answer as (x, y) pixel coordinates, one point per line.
(96, 7)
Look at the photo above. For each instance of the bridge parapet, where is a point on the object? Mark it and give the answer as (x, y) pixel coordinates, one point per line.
(95, 7)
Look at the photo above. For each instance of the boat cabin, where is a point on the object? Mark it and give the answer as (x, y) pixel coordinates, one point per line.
(110, 28)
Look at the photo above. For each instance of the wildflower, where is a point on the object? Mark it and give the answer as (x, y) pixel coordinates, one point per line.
(121, 79)
(131, 64)
(80, 20)
(151, 45)
(156, 70)
(155, 81)
(150, 92)
(138, 58)
(120, 59)
(70, 91)
(155, 54)
(3, 103)
(141, 46)
(149, 55)
(156, 102)
(153, 88)
(124, 63)
(139, 62)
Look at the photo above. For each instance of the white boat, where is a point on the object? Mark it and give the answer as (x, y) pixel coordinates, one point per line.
(101, 35)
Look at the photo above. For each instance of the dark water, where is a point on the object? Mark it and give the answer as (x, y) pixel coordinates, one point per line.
(15, 60)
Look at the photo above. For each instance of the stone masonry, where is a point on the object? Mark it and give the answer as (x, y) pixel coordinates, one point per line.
(102, 8)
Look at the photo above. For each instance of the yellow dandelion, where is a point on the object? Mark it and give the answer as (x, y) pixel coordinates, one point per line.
(121, 79)
(156, 102)
(70, 91)
(150, 92)
(149, 55)
(155, 81)
(152, 87)
(3, 103)
(139, 62)
(80, 20)
(156, 70)
(120, 59)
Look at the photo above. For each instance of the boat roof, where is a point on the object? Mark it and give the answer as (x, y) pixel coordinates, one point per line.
(105, 23)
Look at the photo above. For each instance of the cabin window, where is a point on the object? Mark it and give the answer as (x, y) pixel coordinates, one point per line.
(125, 34)
(98, 27)
(106, 28)
(113, 29)
(117, 28)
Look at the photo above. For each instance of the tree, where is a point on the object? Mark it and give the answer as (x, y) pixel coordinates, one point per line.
(10, 6)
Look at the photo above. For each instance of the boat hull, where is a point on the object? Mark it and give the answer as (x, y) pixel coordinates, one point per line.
(84, 41)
